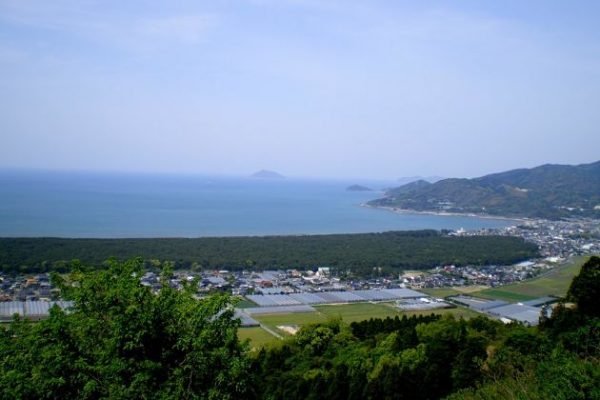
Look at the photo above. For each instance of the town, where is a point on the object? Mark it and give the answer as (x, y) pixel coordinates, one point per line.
(558, 242)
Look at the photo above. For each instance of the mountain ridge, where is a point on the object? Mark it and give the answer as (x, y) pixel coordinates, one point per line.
(551, 191)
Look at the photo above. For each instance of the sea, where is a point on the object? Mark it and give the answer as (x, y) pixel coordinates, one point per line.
(117, 205)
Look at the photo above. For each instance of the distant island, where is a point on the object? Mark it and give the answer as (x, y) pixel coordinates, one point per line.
(263, 173)
(358, 188)
(548, 191)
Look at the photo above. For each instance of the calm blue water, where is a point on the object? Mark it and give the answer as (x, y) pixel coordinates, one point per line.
(120, 205)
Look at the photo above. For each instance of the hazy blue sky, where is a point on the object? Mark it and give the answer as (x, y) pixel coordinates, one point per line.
(377, 89)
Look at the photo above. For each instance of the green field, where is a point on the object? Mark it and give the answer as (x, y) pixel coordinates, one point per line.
(273, 320)
(362, 311)
(556, 282)
(245, 303)
(257, 335)
(440, 292)
(453, 291)
(505, 294)
(458, 312)
(347, 312)
(359, 311)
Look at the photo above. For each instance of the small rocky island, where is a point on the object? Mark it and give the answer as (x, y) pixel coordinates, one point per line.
(358, 188)
(263, 173)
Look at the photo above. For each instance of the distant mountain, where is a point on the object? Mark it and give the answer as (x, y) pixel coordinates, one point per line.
(263, 173)
(358, 188)
(409, 179)
(547, 191)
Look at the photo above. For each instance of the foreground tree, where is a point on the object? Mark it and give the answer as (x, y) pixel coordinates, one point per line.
(585, 288)
(121, 341)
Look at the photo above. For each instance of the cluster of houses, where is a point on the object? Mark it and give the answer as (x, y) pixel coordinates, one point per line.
(562, 239)
(267, 282)
(26, 288)
(489, 275)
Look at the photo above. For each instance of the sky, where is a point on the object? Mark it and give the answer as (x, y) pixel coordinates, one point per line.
(313, 88)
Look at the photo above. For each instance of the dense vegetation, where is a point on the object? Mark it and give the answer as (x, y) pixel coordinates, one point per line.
(357, 252)
(123, 342)
(548, 191)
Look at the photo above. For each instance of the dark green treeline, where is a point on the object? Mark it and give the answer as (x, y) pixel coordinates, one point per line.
(360, 253)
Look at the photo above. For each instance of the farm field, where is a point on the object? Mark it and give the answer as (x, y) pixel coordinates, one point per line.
(452, 291)
(362, 311)
(359, 311)
(347, 312)
(273, 320)
(245, 303)
(257, 335)
(556, 282)
(458, 312)
(506, 295)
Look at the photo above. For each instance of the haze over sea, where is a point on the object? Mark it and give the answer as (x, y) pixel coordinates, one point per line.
(102, 205)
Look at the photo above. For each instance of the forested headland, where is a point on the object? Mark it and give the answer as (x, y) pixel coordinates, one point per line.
(121, 341)
(360, 253)
(547, 191)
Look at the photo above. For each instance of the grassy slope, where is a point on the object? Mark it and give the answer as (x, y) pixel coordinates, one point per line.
(556, 282)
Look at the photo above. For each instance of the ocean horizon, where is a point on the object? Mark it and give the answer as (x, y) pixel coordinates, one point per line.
(119, 205)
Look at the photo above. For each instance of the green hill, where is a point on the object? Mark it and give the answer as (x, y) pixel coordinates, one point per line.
(547, 191)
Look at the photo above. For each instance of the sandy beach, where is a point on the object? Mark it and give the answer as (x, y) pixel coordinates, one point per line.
(446, 214)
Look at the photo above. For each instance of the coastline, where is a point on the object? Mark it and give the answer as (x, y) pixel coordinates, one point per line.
(68, 205)
(397, 210)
